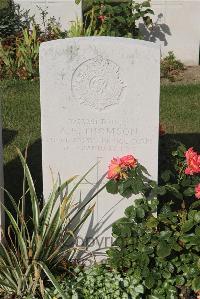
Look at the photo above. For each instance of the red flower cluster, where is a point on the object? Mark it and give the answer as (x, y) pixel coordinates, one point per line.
(197, 191)
(101, 18)
(193, 162)
(193, 167)
(118, 167)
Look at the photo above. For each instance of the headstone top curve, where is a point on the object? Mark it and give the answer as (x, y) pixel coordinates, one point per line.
(98, 39)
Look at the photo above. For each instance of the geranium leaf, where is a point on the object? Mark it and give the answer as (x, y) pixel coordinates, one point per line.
(163, 249)
(196, 284)
(112, 187)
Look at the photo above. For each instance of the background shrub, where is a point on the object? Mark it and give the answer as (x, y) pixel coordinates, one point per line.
(171, 67)
(161, 253)
(19, 52)
(119, 18)
(12, 19)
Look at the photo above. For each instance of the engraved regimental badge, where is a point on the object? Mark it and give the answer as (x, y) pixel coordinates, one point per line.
(97, 83)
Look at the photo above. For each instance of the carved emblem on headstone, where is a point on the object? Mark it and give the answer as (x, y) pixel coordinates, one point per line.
(97, 83)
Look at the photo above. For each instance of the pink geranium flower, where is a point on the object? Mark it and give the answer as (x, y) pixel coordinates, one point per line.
(114, 169)
(193, 162)
(197, 191)
(128, 161)
(118, 167)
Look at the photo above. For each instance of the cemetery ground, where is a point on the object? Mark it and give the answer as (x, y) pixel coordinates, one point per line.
(179, 115)
(190, 75)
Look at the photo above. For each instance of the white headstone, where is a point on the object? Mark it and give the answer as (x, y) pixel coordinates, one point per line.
(179, 36)
(99, 99)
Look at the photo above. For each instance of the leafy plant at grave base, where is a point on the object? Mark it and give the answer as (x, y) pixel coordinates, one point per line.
(37, 245)
(171, 67)
(98, 282)
(119, 18)
(163, 252)
(157, 256)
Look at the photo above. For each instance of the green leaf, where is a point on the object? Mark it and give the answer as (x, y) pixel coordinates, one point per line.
(21, 241)
(112, 187)
(34, 199)
(152, 222)
(197, 231)
(166, 274)
(181, 151)
(140, 212)
(186, 182)
(174, 188)
(165, 234)
(188, 225)
(163, 249)
(166, 175)
(130, 212)
(127, 193)
(144, 170)
(139, 289)
(161, 190)
(197, 217)
(195, 204)
(189, 192)
(180, 280)
(145, 4)
(149, 282)
(196, 284)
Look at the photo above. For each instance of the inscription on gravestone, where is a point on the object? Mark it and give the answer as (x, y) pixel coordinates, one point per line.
(99, 99)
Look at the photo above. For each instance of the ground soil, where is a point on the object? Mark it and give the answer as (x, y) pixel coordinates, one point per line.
(190, 75)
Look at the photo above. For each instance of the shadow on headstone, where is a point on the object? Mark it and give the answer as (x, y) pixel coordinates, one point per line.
(159, 31)
(88, 246)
